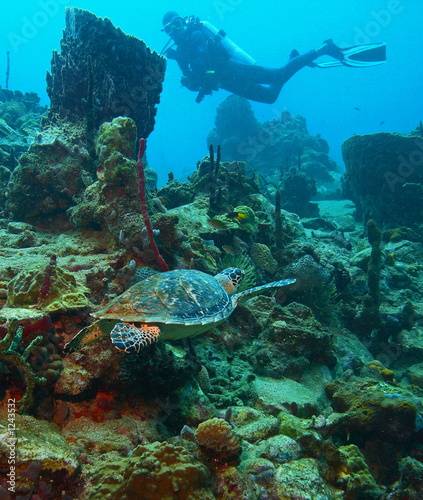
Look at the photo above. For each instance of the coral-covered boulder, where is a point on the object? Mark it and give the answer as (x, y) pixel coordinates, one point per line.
(218, 440)
(45, 467)
(45, 182)
(379, 410)
(158, 471)
(112, 201)
(385, 174)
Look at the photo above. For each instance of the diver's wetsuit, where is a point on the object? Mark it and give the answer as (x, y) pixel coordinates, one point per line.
(207, 66)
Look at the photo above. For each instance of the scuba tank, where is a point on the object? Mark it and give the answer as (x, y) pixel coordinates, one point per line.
(236, 53)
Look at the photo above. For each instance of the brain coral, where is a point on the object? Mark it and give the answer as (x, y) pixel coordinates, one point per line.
(263, 257)
(218, 440)
(63, 292)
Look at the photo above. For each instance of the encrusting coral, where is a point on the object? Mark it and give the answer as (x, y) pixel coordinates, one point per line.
(16, 356)
(47, 288)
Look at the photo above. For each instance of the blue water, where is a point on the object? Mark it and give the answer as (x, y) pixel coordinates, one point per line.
(267, 30)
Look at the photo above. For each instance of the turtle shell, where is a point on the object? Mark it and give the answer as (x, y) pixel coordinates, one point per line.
(181, 297)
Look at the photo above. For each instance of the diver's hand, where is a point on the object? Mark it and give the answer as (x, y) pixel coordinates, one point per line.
(200, 96)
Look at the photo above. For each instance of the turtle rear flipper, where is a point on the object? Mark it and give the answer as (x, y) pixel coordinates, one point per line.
(130, 338)
(89, 335)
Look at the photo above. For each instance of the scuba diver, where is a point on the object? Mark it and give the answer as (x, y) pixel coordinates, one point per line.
(209, 60)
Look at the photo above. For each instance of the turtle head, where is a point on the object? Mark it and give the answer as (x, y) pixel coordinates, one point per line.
(230, 278)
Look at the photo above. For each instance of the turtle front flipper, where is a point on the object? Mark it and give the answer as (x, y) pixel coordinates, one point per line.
(238, 297)
(130, 338)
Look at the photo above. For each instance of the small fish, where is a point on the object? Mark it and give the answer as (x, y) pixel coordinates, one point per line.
(381, 123)
(229, 250)
(237, 215)
(217, 224)
(357, 109)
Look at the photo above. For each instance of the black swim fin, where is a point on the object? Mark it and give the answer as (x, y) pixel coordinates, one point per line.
(359, 56)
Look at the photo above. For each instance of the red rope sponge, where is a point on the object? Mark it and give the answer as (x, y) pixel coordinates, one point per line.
(144, 211)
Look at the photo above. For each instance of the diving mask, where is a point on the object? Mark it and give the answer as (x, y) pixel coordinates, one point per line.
(174, 25)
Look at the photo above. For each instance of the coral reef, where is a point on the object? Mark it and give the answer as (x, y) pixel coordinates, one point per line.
(234, 123)
(369, 318)
(297, 189)
(112, 201)
(117, 201)
(262, 256)
(226, 184)
(312, 391)
(349, 471)
(377, 416)
(60, 164)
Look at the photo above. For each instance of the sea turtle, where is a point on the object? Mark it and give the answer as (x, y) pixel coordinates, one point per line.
(169, 305)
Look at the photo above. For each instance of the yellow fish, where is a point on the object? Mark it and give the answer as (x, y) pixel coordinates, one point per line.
(237, 215)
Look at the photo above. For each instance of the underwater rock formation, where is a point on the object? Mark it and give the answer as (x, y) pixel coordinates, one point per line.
(226, 184)
(297, 189)
(350, 472)
(271, 148)
(283, 400)
(234, 122)
(377, 416)
(112, 201)
(102, 73)
(385, 174)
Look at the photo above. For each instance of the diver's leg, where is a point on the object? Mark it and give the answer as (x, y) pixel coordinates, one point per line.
(297, 63)
(246, 80)
(253, 73)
